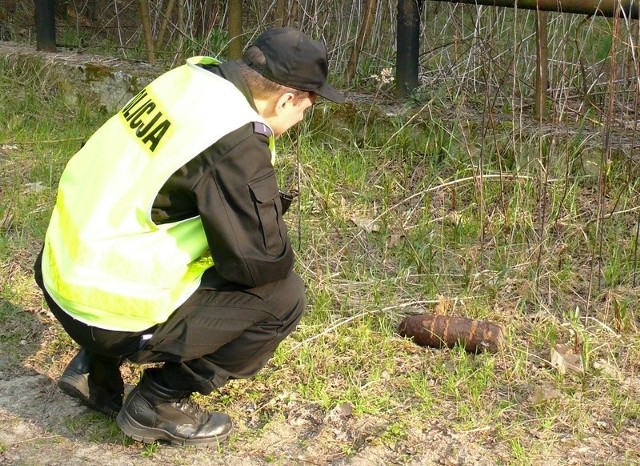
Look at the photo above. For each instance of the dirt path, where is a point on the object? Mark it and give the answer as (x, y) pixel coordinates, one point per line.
(40, 425)
(43, 426)
(39, 428)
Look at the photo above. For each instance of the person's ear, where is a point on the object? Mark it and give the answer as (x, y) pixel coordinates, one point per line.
(283, 101)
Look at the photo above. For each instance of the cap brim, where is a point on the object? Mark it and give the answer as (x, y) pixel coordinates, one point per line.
(331, 93)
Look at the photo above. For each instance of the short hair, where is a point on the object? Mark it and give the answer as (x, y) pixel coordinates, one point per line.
(252, 62)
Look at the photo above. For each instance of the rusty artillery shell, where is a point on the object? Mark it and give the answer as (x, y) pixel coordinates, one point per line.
(437, 331)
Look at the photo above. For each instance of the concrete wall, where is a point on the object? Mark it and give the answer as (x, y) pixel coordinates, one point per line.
(102, 81)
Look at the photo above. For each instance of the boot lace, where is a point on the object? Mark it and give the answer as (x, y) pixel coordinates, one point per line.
(191, 408)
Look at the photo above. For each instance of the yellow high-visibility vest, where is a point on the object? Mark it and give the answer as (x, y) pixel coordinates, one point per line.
(105, 262)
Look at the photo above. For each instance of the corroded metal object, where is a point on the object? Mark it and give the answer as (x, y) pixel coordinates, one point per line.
(438, 331)
(629, 8)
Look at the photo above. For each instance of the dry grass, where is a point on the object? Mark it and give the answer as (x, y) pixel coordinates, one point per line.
(461, 203)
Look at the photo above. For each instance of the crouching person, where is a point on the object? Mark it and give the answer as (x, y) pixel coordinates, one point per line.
(167, 243)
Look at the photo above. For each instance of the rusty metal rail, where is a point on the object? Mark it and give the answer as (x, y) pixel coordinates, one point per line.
(408, 40)
(629, 8)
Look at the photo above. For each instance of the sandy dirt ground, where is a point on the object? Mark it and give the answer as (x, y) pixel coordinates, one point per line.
(43, 426)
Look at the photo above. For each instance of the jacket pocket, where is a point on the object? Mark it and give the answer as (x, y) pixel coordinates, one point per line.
(266, 198)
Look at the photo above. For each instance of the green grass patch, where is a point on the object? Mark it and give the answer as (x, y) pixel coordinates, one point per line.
(397, 215)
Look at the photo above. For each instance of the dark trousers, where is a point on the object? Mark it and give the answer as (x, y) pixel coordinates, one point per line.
(223, 331)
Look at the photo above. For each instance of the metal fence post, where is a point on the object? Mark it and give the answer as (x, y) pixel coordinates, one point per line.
(408, 47)
(45, 25)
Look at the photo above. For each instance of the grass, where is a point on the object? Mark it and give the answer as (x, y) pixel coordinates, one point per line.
(394, 219)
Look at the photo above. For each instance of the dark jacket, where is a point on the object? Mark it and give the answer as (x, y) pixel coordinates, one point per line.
(232, 186)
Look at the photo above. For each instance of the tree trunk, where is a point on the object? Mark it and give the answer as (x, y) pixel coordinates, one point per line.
(92, 6)
(146, 28)
(542, 68)
(281, 11)
(165, 23)
(294, 14)
(181, 28)
(234, 30)
(60, 8)
(363, 36)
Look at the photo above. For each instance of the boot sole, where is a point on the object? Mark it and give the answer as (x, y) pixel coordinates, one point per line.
(73, 392)
(70, 388)
(141, 433)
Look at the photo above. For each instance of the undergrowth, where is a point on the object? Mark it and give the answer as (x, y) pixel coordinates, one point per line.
(402, 211)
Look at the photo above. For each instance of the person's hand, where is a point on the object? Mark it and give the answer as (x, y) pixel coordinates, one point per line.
(286, 198)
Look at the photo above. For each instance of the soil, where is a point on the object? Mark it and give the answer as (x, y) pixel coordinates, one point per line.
(43, 426)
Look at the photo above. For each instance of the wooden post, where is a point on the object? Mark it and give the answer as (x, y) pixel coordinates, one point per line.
(234, 29)
(145, 18)
(542, 65)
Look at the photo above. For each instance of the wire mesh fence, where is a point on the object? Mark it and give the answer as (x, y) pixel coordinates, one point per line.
(477, 76)
(477, 49)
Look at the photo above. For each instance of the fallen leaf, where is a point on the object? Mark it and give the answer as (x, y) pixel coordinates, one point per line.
(607, 369)
(4, 148)
(366, 224)
(544, 393)
(394, 240)
(6, 220)
(565, 360)
(346, 409)
(453, 218)
(443, 306)
(34, 187)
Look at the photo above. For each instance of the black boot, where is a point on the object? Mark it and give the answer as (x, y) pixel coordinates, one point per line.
(153, 412)
(95, 381)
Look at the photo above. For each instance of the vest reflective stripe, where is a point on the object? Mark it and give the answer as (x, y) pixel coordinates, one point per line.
(105, 262)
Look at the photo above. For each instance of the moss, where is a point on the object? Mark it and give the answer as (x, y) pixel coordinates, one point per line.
(136, 85)
(97, 72)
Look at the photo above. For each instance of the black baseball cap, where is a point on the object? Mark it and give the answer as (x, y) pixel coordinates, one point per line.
(296, 61)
